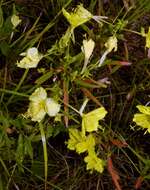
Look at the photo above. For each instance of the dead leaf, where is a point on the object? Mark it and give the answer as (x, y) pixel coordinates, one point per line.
(89, 95)
(138, 182)
(118, 143)
(66, 102)
(113, 173)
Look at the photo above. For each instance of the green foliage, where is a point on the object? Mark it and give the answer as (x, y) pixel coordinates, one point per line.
(1, 16)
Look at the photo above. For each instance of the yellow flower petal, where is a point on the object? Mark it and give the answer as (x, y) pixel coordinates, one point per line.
(142, 120)
(86, 144)
(144, 109)
(38, 95)
(78, 17)
(52, 107)
(75, 136)
(111, 44)
(91, 119)
(94, 163)
(36, 111)
(15, 20)
(31, 59)
(88, 46)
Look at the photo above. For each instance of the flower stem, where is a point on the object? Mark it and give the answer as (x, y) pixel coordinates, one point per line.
(44, 152)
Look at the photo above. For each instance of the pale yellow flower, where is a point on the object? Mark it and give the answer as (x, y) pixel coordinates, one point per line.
(40, 105)
(36, 110)
(110, 45)
(15, 20)
(52, 107)
(87, 48)
(79, 16)
(38, 95)
(31, 58)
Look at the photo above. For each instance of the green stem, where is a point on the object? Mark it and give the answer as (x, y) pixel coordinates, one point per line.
(139, 156)
(132, 31)
(18, 86)
(13, 93)
(44, 152)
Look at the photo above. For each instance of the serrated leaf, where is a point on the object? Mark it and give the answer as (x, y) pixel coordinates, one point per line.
(91, 119)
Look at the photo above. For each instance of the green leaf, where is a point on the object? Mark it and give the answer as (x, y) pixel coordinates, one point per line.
(5, 48)
(1, 17)
(28, 147)
(91, 119)
(44, 78)
(20, 152)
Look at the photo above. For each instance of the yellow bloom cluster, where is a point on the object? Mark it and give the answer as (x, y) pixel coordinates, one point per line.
(80, 142)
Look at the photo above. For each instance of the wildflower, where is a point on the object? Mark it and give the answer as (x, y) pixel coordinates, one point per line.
(40, 105)
(110, 45)
(90, 121)
(31, 58)
(143, 119)
(15, 20)
(87, 48)
(78, 17)
(94, 163)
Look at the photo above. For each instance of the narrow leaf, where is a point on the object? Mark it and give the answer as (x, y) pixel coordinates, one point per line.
(1, 17)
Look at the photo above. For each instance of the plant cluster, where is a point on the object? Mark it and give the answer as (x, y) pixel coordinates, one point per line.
(45, 97)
